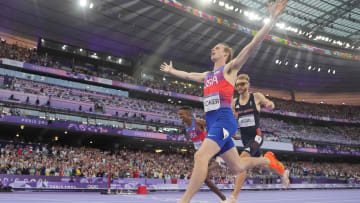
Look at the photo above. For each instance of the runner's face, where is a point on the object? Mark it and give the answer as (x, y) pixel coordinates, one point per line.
(218, 52)
(184, 115)
(242, 86)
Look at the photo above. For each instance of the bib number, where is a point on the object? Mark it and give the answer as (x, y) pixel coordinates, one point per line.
(212, 103)
(258, 139)
(246, 121)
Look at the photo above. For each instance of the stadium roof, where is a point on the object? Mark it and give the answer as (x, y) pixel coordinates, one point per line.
(338, 18)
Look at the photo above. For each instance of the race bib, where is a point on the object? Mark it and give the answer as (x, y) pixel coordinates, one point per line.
(246, 121)
(258, 139)
(197, 145)
(212, 103)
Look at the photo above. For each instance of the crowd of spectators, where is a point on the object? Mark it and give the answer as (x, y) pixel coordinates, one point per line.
(322, 110)
(285, 130)
(90, 162)
(16, 52)
(323, 169)
(46, 160)
(31, 56)
(166, 109)
(274, 129)
(329, 147)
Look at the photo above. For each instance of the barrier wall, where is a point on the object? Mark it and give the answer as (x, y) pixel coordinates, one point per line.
(75, 183)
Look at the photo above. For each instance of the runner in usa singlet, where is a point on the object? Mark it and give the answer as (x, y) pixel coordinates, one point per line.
(196, 135)
(220, 120)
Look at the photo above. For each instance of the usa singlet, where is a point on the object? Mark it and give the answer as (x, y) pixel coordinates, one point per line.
(220, 120)
(197, 136)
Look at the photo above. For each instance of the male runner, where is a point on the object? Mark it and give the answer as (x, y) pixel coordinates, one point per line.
(247, 111)
(220, 120)
(195, 131)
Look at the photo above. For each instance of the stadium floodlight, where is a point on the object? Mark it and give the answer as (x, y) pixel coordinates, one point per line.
(334, 72)
(280, 25)
(266, 20)
(286, 63)
(83, 3)
(91, 5)
(81, 50)
(329, 71)
(309, 68)
(319, 69)
(206, 1)
(253, 16)
(221, 3)
(296, 65)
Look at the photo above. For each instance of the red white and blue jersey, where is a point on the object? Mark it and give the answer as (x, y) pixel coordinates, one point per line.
(196, 135)
(218, 92)
(220, 120)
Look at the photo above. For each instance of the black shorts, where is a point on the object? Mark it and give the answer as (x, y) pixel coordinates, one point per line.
(252, 144)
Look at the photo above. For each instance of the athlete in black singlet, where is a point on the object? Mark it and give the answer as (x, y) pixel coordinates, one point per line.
(247, 112)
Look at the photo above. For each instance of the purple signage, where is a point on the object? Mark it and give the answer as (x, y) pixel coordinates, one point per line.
(44, 69)
(88, 128)
(325, 151)
(66, 183)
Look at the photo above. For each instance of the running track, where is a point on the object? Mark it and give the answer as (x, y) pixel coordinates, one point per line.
(276, 196)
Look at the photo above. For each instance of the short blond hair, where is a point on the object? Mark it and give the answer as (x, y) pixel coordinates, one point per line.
(228, 49)
(243, 77)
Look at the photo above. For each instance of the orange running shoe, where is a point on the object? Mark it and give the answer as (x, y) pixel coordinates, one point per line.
(277, 165)
(274, 163)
